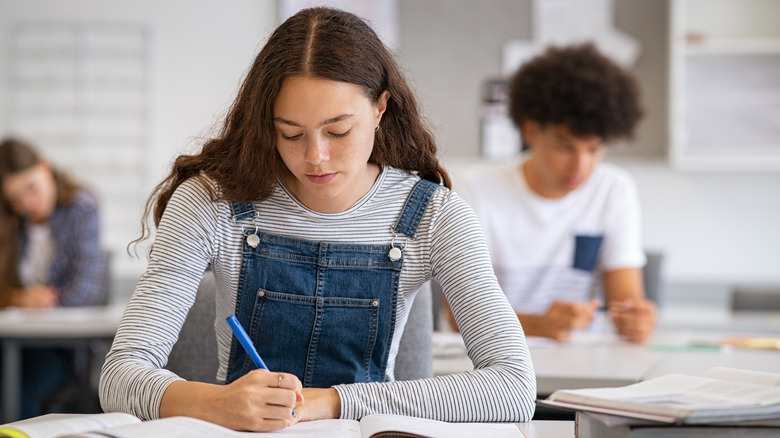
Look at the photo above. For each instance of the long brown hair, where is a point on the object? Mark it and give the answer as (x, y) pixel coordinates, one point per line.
(318, 42)
(17, 156)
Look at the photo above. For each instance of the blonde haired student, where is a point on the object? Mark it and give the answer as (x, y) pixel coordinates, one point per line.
(320, 210)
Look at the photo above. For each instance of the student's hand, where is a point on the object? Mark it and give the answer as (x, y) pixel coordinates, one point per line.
(562, 317)
(634, 318)
(35, 297)
(319, 404)
(259, 401)
(262, 401)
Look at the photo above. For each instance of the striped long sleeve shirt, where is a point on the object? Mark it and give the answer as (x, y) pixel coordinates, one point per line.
(196, 231)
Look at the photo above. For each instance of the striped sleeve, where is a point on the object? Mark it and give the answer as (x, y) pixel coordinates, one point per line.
(133, 379)
(502, 386)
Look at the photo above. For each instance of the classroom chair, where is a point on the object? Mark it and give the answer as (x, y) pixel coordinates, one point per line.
(194, 356)
(762, 299)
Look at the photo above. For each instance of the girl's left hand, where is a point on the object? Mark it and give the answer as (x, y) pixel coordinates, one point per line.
(318, 404)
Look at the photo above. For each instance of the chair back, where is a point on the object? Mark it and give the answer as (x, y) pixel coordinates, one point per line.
(651, 276)
(415, 353)
(755, 299)
(194, 356)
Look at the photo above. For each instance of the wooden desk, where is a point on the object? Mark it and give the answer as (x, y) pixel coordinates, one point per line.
(59, 327)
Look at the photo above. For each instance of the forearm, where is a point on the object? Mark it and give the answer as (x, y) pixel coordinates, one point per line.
(493, 394)
(319, 404)
(192, 399)
(128, 386)
(533, 325)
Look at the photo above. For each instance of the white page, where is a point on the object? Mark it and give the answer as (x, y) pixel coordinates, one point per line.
(740, 375)
(173, 427)
(181, 427)
(678, 392)
(49, 426)
(319, 428)
(436, 429)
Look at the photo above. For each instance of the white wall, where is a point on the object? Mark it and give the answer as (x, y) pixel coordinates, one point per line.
(713, 227)
(203, 49)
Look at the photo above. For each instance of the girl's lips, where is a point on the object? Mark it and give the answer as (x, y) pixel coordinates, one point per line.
(321, 179)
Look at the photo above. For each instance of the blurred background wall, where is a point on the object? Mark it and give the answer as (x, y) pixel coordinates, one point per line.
(715, 228)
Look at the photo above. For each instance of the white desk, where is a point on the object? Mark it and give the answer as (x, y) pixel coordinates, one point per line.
(587, 360)
(59, 327)
(547, 429)
(602, 359)
(715, 320)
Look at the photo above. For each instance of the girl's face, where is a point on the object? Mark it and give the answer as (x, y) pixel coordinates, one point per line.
(325, 135)
(32, 193)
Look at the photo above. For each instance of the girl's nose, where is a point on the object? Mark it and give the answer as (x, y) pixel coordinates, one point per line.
(317, 151)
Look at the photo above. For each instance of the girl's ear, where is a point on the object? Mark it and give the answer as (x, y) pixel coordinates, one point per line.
(381, 105)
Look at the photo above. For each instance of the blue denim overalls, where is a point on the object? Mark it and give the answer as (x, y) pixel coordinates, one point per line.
(322, 311)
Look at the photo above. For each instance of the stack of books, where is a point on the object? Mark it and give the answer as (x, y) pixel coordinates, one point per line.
(724, 402)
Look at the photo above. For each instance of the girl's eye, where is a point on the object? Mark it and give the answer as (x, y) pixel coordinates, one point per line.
(341, 134)
(291, 137)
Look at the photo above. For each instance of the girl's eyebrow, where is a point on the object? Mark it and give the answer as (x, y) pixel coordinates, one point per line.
(326, 122)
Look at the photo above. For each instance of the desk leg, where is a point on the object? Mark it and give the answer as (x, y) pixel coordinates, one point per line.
(12, 380)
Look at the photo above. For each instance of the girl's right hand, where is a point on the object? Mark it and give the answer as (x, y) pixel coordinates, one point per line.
(259, 401)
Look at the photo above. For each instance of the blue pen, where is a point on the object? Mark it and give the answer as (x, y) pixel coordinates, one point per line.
(245, 342)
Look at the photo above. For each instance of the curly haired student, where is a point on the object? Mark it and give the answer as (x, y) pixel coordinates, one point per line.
(558, 220)
(321, 208)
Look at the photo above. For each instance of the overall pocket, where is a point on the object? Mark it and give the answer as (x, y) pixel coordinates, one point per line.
(323, 340)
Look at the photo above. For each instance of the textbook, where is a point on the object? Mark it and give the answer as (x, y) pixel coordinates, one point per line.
(591, 425)
(721, 395)
(118, 425)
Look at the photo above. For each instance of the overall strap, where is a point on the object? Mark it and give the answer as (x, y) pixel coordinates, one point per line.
(241, 210)
(415, 206)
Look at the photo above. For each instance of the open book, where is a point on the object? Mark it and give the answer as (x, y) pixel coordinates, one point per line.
(722, 395)
(117, 425)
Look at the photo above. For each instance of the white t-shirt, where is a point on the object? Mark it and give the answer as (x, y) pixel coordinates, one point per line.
(552, 249)
(35, 264)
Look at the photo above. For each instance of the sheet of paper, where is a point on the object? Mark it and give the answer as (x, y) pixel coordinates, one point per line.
(174, 427)
(747, 376)
(49, 426)
(436, 429)
(320, 428)
(694, 399)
